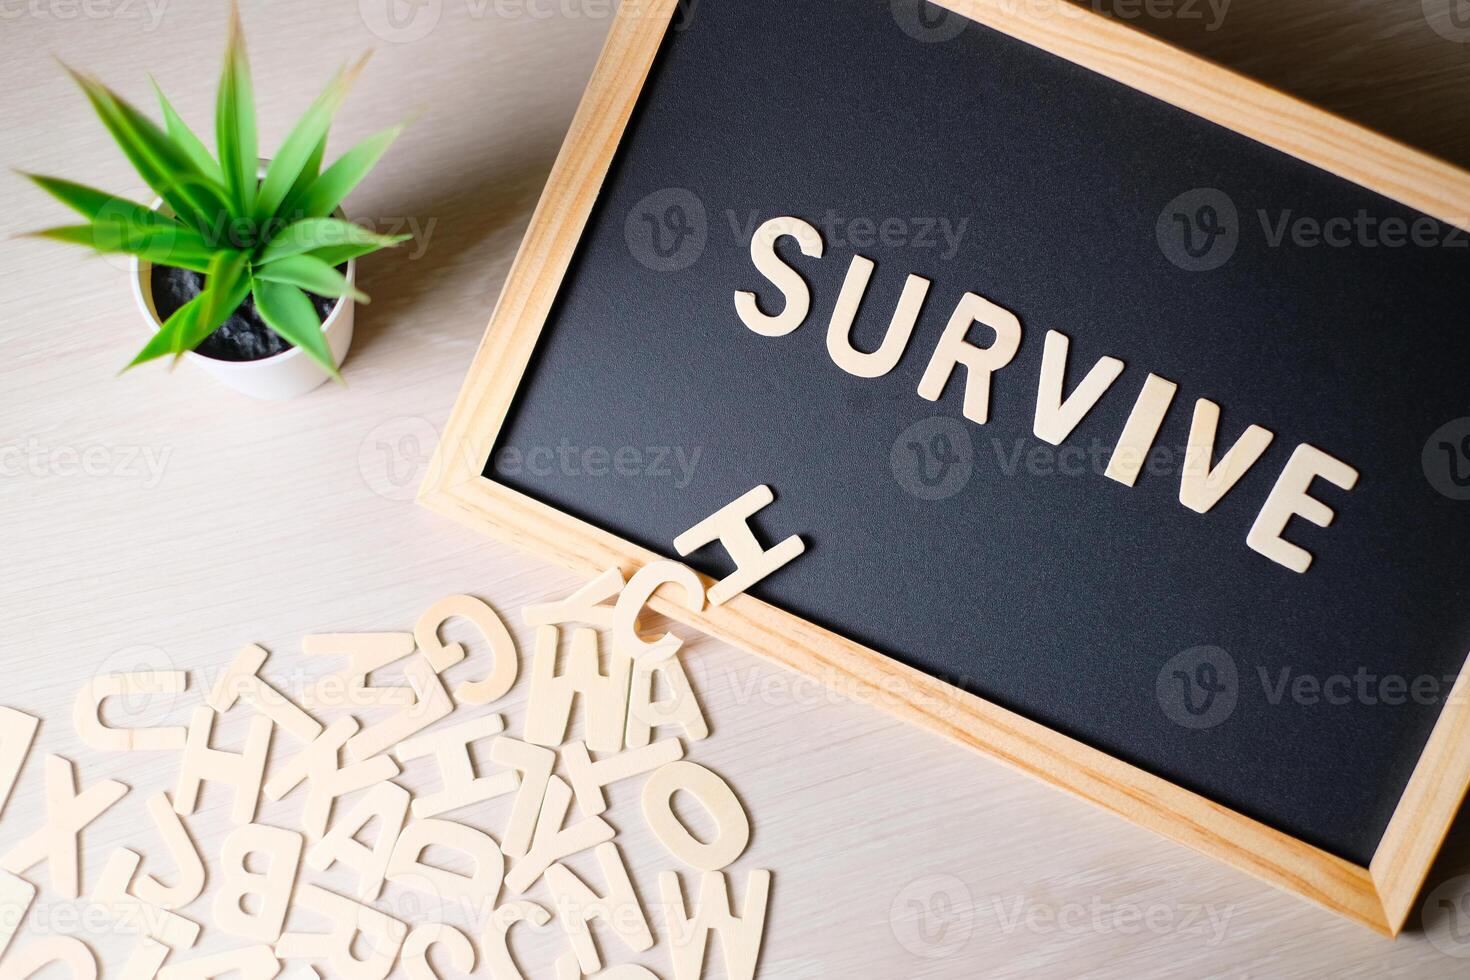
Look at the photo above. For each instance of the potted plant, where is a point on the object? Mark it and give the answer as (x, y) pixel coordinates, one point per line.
(247, 267)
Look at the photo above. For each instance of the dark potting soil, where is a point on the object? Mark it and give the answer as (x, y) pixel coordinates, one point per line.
(244, 336)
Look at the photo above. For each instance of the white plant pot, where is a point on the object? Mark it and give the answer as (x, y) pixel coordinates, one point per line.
(284, 375)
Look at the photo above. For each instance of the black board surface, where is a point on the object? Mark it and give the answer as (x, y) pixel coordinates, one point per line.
(1023, 575)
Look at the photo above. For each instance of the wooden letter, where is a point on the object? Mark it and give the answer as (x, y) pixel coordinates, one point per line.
(583, 606)
(382, 936)
(603, 697)
(243, 770)
(577, 905)
(87, 713)
(1141, 429)
(785, 278)
(552, 842)
(451, 749)
(318, 766)
(415, 957)
(504, 666)
(1290, 498)
(731, 524)
(1201, 487)
(247, 963)
(900, 328)
(1056, 416)
(67, 813)
(588, 778)
(185, 855)
(979, 362)
(405, 868)
(145, 960)
(242, 680)
(740, 938)
(112, 895)
(493, 939)
(680, 708)
(16, 895)
(272, 887)
(432, 703)
(645, 582)
(17, 731)
(715, 795)
(365, 653)
(52, 951)
(388, 802)
(534, 765)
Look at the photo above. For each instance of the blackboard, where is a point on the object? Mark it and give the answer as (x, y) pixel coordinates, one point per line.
(981, 555)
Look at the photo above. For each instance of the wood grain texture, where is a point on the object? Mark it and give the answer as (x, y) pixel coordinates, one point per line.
(263, 523)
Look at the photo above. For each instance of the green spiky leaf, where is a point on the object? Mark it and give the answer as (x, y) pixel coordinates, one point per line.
(296, 152)
(234, 122)
(311, 274)
(195, 320)
(184, 138)
(93, 204)
(290, 209)
(288, 311)
(162, 165)
(172, 245)
(315, 234)
(333, 186)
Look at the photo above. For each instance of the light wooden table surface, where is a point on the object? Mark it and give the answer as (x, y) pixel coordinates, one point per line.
(160, 519)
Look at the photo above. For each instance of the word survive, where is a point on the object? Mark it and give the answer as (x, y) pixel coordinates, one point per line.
(1203, 481)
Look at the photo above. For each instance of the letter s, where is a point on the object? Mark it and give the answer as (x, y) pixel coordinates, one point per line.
(785, 278)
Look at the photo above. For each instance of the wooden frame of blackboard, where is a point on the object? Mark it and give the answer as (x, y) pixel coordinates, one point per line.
(1380, 895)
